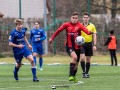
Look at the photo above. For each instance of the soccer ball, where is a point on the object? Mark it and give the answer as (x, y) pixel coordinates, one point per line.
(79, 40)
(53, 86)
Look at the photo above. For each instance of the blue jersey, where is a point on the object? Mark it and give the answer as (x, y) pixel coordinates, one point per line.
(17, 37)
(36, 38)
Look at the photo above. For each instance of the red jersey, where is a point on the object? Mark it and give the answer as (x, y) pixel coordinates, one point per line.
(112, 43)
(72, 31)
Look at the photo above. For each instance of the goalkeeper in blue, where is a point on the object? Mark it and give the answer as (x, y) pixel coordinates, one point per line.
(19, 42)
(37, 37)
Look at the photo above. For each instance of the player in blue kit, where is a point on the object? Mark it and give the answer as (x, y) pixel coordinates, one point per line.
(36, 39)
(19, 42)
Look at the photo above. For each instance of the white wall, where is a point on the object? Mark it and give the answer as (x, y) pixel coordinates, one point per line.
(30, 8)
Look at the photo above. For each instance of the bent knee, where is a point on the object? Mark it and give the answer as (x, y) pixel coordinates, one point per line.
(74, 57)
(32, 61)
(18, 65)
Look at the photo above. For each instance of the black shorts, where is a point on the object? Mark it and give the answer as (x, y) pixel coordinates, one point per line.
(77, 51)
(87, 49)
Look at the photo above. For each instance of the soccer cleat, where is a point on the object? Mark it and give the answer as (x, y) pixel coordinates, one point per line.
(87, 76)
(75, 80)
(36, 67)
(15, 75)
(71, 78)
(83, 75)
(41, 69)
(35, 80)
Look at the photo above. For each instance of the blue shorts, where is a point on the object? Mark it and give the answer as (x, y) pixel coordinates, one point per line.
(19, 56)
(38, 50)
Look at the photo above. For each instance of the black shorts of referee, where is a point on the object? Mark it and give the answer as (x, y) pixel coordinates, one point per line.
(87, 49)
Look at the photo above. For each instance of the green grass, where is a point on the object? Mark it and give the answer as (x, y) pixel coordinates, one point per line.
(102, 77)
(65, 59)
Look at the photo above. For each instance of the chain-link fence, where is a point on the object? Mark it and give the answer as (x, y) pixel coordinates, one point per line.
(59, 11)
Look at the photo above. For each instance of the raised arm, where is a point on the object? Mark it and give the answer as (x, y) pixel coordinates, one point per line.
(61, 28)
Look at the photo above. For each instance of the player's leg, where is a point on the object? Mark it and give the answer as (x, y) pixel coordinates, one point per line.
(40, 52)
(76, 66)
(115, 58)
(18, 58)
(16, 69)
(88, 54)
(82, 61)
(111, 55)
(34, 57)
(73, 63)
(34, 53)
(30, 58)
(40, 62)
(73, 66)
(88, 58)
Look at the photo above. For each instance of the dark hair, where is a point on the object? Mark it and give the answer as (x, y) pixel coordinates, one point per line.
(112, 32)
(74, 13)
(86, 13)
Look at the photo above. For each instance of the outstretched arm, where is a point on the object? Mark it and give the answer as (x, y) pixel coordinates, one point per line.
(57, 32)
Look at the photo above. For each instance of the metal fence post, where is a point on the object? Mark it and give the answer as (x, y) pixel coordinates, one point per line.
(88, 6)
(54, 20)
(45, 26)
(20, 9)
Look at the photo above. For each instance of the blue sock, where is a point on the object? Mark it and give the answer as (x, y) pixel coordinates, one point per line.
(34, 60)
(40, 62)
(16, 69)
(34, 72)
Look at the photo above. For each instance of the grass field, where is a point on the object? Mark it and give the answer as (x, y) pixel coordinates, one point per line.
(102, 77)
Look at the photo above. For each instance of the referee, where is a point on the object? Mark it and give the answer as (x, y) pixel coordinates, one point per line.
(88, 47)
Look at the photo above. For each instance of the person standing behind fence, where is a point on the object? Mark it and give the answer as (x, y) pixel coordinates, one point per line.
(19, 42)
(37, 36)
(112, 45)
(73, 29)
(88, 46)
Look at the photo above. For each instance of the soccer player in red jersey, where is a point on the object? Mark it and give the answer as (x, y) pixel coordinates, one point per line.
(73, 29)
